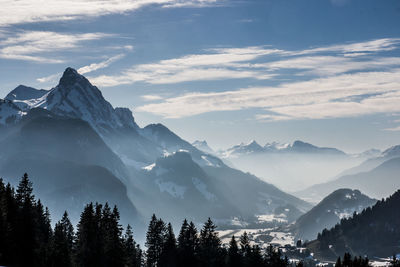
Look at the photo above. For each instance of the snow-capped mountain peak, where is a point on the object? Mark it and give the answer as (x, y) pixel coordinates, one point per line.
(203, 146)
(74, 97)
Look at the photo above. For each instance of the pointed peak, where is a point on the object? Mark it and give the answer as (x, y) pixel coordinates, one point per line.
(70, 71)
(253, 143)
(71, 76)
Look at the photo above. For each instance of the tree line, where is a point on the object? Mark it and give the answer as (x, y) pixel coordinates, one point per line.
(27, 238)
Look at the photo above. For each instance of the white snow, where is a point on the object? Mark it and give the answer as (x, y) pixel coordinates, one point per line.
(130, 162)
(202, 188)
(272, 218)
(171, 188)
(208, 162)
(8, 110)
(149, 167)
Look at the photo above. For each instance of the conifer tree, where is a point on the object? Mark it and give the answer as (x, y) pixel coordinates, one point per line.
(168, 257)
(43, 234)
(132, 251)
(209, 245)
(111, 237)
(154, 241)
(88, 244)
(234, 257)
(26, 234)
(63, 242)
(245, 249)
(188, 243)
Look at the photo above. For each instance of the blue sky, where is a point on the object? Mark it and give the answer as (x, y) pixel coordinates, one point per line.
(323, 71)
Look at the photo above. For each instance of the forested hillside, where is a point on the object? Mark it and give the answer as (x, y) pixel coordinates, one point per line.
(373, 232)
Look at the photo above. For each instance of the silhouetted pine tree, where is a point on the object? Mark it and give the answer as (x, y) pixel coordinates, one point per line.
(188, 243)
(210, 245)
(8, 217)
(63, 242)
(26, 234)
(168, 257)
(44, 235)
(111, 231)
(133, 254)
(245, 249)
(88, 248)
(154, 241)
(234, 257)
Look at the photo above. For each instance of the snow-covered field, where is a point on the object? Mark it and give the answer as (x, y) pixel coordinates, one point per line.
(261, 237)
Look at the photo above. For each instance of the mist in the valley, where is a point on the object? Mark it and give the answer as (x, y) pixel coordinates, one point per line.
(293, 172)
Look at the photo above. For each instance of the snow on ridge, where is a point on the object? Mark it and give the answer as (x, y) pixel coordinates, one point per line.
(149, 167)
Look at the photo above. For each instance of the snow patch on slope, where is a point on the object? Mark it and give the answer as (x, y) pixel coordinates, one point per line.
(202, 188)
(175, 190)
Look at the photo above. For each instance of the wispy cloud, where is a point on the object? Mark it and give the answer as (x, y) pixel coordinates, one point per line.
(50, 78)
(259, 63)
(216, 64)
(151, 97)
(28, 11)
(85, 69)
(318, 98)
(37, 45)
(100, 65)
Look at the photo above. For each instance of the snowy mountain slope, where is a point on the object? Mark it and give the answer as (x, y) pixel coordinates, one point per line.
(203, 146)
(341, 203)
(26, 97)
(9, 112)
(170, 143)
(23, 92)
(181, 188)
(179, 184)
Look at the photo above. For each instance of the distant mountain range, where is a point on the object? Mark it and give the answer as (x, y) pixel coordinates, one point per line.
(290, 166)
(340, 204)
(297, 147)
(78, 148)
(377, 177)
(375, 232)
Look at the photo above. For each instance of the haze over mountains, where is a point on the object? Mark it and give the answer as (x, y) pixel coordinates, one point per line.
(291, 166)
(77, 147)
(377, 177)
